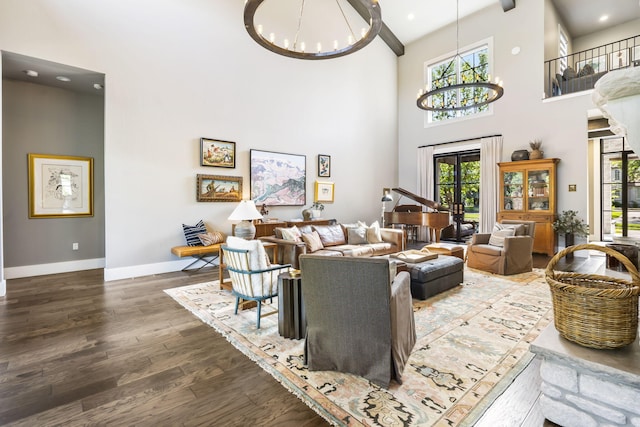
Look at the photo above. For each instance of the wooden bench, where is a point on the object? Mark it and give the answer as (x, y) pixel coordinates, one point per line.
(205, 254)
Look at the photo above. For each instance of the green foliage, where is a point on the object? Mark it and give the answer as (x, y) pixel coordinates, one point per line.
(318, 206)
(568, 222)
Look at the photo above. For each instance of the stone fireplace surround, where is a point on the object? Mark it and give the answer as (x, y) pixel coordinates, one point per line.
(584, 387)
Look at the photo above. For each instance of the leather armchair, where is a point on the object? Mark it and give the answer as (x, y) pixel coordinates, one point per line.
(359, 316)
(512, 258)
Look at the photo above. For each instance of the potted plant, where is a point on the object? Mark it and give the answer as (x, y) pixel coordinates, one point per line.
(570, 225)
(316, 209)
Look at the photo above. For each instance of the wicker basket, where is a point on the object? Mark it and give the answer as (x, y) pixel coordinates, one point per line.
(591, 310)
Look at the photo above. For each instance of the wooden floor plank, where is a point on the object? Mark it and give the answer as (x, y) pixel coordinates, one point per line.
(77, 350)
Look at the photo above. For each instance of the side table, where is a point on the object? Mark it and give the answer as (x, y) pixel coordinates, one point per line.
(292, 322)
(630, 251)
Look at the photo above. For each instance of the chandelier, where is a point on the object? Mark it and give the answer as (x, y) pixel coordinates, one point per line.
(295, 47)
(484, 91)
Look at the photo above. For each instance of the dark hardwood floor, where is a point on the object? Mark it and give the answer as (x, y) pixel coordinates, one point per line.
(75, 350)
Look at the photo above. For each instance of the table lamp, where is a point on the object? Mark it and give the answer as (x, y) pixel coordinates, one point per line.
(245, 212)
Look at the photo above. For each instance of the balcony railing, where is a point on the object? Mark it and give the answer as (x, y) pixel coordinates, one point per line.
(580, 71)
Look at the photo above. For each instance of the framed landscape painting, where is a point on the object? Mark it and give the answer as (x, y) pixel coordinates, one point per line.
(278, 179)
(217, 153)
(60, 186)
(216, 188)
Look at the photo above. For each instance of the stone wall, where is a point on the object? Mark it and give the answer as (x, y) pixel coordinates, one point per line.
(583, 387)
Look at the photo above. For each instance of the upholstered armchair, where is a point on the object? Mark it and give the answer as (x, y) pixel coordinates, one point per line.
(507, 250)
(252, 277)
(359, 316)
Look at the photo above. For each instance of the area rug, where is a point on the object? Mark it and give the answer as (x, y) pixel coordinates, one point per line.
(473, 340)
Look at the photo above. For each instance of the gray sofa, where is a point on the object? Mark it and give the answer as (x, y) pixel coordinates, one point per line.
(359, 317)
(578, 84)
(337, 241)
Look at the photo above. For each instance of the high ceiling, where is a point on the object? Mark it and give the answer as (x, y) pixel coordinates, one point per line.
(581, 16)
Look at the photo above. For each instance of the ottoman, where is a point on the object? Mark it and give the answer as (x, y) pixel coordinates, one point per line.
(431, 277)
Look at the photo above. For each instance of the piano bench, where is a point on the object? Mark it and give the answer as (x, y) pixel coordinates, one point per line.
(436, 275)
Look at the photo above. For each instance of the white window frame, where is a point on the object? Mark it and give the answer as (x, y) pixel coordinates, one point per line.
(428, 117)
(563, 49)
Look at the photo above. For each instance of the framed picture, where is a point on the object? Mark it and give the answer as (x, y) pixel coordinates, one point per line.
(216, 188)
(324, 192)
(221, 154)
(60, 186)
(619, 59)
(278, 179)
(324, 165)
(598, 63)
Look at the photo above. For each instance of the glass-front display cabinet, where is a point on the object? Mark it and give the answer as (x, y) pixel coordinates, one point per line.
(528, 193)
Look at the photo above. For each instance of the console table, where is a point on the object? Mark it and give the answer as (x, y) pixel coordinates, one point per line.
(268, 228)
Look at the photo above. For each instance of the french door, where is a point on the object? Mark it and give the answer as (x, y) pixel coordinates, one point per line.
(620, 190)
(457, 185)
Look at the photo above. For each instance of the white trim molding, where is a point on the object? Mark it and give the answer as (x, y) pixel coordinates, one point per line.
(52, 268)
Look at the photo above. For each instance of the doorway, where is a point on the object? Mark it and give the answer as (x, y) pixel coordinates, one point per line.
(457, 185)
(620, 190)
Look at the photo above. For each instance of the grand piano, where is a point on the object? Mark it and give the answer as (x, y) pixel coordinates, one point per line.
(436, 218)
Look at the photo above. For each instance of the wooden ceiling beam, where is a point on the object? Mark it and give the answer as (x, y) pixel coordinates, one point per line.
(385, 33)
(507, 5)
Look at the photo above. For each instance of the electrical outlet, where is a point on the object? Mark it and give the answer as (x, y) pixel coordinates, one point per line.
(75, 246)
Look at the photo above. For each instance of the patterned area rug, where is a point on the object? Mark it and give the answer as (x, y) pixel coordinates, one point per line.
(473, 340)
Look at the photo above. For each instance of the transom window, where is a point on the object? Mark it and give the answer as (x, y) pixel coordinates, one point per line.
(471, 64)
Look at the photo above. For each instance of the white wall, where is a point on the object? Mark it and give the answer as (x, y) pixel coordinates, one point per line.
(178, 71)
(610, 35)
(520, 115)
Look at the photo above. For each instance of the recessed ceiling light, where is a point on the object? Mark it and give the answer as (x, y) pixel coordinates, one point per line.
(604, 18)
(97, 86)
(31, 73)
(515, 50)
(411, 17)
(63, 78)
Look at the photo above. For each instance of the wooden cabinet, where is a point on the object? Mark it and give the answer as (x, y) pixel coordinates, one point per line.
(528, 193)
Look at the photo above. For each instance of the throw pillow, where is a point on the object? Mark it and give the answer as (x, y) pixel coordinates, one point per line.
(559, 77)
(291, 234)
(569, 73)
(520, 229)
(357, 236)
(586, 70)
(373, 233)
(312, 240)
(258, 259)
(191, 233)
(497, 237)
(211, 238)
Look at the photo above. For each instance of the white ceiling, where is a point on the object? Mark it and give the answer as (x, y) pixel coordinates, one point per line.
(580, 16)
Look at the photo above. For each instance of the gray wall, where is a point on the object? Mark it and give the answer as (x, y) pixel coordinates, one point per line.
(610, 35)
(45, 120)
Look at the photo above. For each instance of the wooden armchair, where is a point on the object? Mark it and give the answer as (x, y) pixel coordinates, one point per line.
(252, 278)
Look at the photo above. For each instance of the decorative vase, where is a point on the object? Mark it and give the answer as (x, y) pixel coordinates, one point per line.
(536, 154)
(315, 213)
(518, 155)
(569, 241)
(306, 214)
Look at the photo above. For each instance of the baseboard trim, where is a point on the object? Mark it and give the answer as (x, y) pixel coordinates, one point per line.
(52, 268)
(110, 274)
(119, 273)
(3, 288)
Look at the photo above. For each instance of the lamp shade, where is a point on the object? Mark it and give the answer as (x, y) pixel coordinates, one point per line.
(245, 212)
(387, 198)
